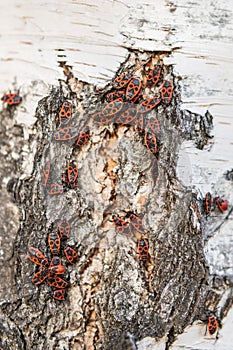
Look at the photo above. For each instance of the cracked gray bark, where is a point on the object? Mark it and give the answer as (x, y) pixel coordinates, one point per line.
(113, 299)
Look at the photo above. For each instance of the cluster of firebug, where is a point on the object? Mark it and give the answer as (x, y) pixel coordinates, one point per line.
(211, 203)
(125, 105)
(11, 99)
(53, 269)
(65, 132)
(126, 227)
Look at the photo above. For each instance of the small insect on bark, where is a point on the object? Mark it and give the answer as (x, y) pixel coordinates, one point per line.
(212, 325)
(208, 203)
(37, 257)
(221, 204)
(65, 113)
(59, 294)
(143, 249)
(54, 243)
(121, 225)
(166, 91)
(71, 254)
(11, 99)
(64, 229)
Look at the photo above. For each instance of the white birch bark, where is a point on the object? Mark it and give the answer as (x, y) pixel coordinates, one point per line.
(94, 38)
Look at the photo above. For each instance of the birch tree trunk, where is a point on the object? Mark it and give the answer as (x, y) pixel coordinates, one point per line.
(114, 300)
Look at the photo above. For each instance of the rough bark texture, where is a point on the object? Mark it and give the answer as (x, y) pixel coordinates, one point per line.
(113, 299)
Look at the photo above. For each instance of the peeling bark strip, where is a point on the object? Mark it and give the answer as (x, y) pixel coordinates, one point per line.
(114, 298)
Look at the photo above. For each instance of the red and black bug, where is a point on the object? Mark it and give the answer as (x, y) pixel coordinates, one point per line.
(212, 325)
(221, 204)
(54, 243)
(65, 134)
(70, 178)
(166, 91)
(37, 257)
(56, 266)
(59, 294)
(72, 172)
(143, 249)
(153, 126)
(151, 143)
(65, 113)
(55, 189)
(11, 99)
(140, 124)
(45, 174)
(136, 222)
(115, 95)
(64, 229)
(112, 108)
(121, 225)
(147, 105)
(153, 75)
(126, 117)
(71, 254)
(133, 88)
(121, 81)
(208, 203)
(40, 276)
(56, 281)
(83, 137)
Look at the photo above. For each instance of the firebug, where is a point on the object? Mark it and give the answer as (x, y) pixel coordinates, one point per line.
(121, 225)
(65, 113)
(221, 204)
(166, 91)
(40, 276)
(147, 105)
(136, 222)
(208, 202)
(143, 249)
(66, 133)
(59, 294)
(56, 281)
(72, 172)
(121, 81)
(212, 325)
(115, 95)
(71, 254)
(64, 229)
(126, 117)
(11, 99)
(153, 75)
(37, 257)
(112, 108)
(54, 243)
(56, 266)
(153, 126)
(83, 137)
(45, 174)
(151, 142)
(140, 124)
(133, 88)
